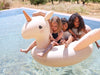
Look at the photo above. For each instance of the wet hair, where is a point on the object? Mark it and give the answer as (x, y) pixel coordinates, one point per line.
(64, 20)
(58, 21)
(72, 19)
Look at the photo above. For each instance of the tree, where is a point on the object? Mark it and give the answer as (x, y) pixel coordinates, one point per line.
(60, 1)
(52, 1)
(49, 0)
(77, 1)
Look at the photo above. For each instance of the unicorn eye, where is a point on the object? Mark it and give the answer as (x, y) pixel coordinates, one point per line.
(40, 27)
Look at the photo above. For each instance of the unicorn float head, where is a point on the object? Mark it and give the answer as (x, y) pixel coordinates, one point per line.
(38, 28)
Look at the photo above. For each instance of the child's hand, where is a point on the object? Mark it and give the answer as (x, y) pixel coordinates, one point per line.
(23, 50)
(54, 43)
(62, 42)
(75, 36)
(51, 38)
(66, 44)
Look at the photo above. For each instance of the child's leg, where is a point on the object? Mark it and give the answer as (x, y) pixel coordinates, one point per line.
(48, 48)
(29, 48)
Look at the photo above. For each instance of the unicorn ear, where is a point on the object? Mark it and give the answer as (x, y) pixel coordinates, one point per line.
(48, 15)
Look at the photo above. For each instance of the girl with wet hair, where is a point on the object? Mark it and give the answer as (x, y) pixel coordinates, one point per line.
(78, 28)
(76, 24)
(67, 37)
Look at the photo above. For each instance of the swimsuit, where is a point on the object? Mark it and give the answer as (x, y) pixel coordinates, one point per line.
(76, 32)
(66, 35)
(55, 35)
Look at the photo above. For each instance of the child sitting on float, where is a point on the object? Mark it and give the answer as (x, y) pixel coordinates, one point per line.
(66, 34)
(78, 27)
(56, 34)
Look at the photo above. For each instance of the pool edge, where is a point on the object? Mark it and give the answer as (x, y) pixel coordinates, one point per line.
(85, 17)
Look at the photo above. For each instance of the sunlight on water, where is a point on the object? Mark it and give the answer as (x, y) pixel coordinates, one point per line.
(13, 62)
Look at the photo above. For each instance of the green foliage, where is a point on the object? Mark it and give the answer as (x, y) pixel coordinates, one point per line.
(1, 5)
(99, 1)
(36, 2)
(5, 5)
(94, 1)
(32, 1)
(67, 0)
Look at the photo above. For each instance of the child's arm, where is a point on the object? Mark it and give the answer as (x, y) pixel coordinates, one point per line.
(70, 39)
(51, 38)
(72, 33)
(60, 34)
(85, 31)
(98, 46)
(29, 48)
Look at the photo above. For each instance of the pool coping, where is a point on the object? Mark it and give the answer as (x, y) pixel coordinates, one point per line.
(85, 17)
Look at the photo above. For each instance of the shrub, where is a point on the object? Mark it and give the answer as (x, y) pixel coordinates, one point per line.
(67, 0)
(5, 5)
(36, 2)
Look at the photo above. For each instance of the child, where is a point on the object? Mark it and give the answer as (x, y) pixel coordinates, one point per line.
(77, 26)
(55, 25)
(56, 28)
(66, 35)
(56, 34)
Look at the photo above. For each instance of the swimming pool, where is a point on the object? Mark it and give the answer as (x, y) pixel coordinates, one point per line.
(13, 62)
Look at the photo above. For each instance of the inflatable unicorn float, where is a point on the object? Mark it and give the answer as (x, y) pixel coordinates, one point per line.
(38, 28)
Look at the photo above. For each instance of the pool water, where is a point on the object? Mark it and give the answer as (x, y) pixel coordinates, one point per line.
(13, 62)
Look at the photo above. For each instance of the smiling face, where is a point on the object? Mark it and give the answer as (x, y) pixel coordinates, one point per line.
(64, 26)
(54, 26)
(76, 22)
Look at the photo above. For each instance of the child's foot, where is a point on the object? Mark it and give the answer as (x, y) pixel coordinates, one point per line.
(22, 50)
(40, 54)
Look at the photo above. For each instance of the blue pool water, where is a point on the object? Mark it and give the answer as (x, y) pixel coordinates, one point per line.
(13, 62)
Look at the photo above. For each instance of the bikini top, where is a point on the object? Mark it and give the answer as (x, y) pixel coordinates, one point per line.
(55, 35)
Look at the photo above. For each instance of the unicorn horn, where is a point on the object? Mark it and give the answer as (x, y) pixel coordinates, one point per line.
(28, 18)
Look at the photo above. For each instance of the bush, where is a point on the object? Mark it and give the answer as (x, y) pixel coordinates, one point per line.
(32, 1)
(5, 5)
(67, 0)
(36, 2)
(1, 5)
